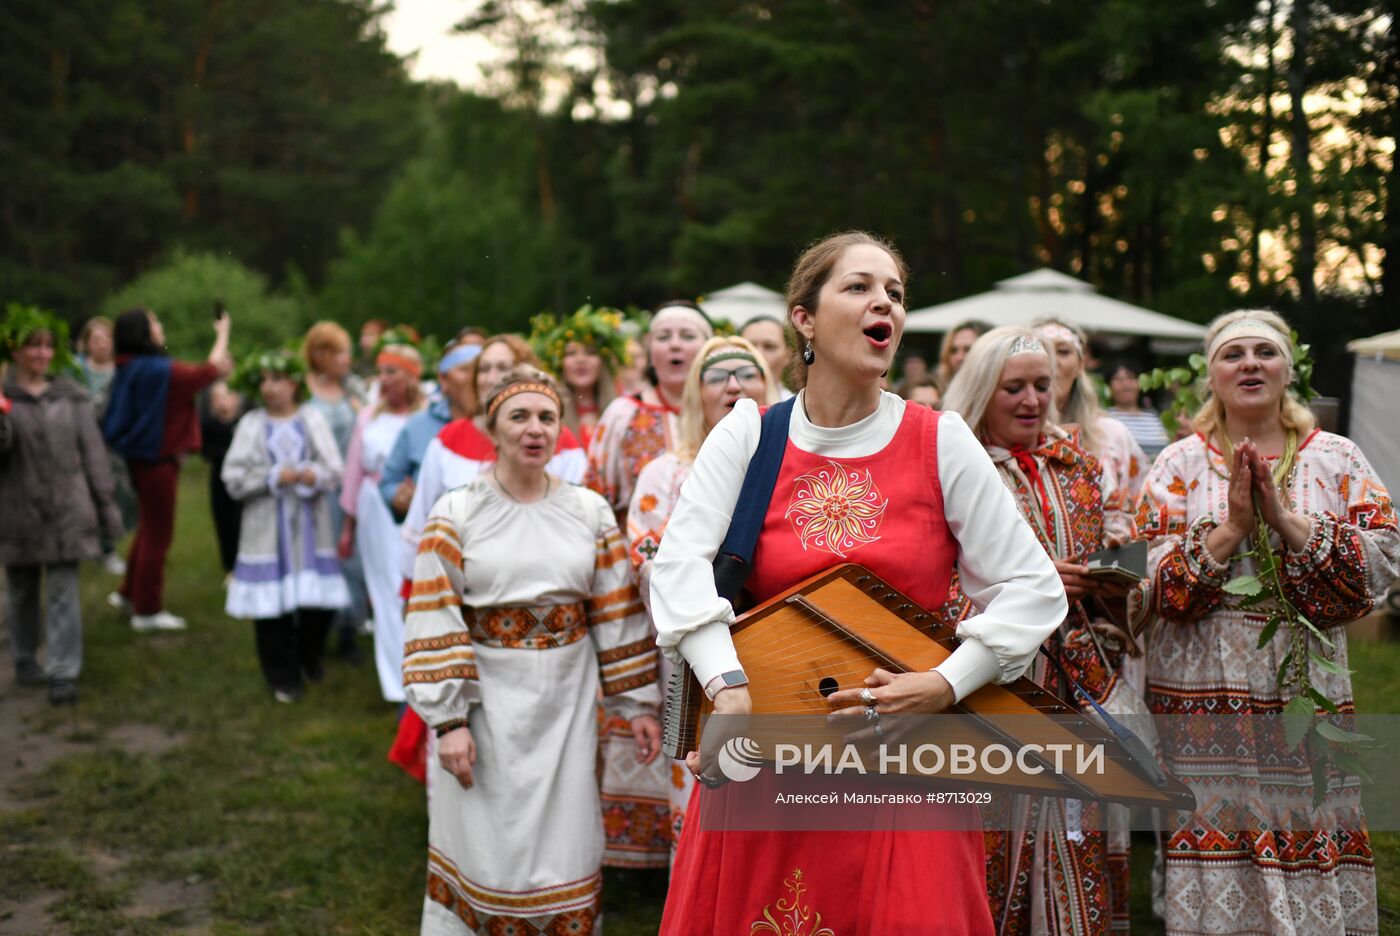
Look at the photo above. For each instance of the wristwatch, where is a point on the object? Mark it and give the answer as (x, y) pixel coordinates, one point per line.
(734, 677)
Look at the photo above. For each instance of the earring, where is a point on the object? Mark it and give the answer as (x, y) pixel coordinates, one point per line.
(808, 355)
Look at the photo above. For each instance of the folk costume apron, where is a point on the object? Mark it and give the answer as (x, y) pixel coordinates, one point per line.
(884, 511)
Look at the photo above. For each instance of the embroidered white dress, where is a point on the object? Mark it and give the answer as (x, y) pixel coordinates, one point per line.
(1204, 658)
(520, 615)
(377, 539)
(459, 454)
(286, 547)
(653, 499)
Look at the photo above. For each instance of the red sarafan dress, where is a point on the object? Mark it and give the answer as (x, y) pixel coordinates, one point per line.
(885, 512)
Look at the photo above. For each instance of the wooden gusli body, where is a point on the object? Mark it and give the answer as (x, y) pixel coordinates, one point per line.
(830, 631)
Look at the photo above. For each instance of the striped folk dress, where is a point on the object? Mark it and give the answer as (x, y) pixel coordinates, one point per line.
(519, 615)
(1204, 658)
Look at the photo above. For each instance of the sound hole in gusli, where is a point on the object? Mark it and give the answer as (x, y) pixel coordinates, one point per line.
(827, 686)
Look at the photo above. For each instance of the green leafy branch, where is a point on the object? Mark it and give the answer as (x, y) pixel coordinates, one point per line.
(1323, 741)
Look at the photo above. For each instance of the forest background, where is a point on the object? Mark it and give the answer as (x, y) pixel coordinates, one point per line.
(1190, 156)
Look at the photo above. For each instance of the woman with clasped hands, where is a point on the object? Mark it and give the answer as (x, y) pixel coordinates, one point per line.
(1331, 522)
(866, 479)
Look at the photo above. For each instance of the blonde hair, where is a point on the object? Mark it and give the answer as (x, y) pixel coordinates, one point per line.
(524, 354)
(692, 422)
(810, 274)
(321, 337)
(92, 325)
(1082, 407)
(1294, 415)
(604, 391)
(977, 380)
(943, 372)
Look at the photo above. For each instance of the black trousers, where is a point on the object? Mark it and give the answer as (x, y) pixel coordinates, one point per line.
(292, 645)
(228, 513)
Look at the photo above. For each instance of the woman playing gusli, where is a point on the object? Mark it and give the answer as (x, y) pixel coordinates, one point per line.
(1050, 859)
(1256, 458)
(523, 608)
(867, 479)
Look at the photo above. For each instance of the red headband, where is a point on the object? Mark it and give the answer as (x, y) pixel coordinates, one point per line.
(401, 361)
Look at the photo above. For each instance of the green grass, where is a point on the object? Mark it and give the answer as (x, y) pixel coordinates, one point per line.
(288, 819)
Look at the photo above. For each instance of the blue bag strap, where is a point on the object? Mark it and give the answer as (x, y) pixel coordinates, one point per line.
(735, 556)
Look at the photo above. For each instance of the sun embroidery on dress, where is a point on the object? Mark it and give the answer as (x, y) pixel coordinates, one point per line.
(836, 509)
(793, 917)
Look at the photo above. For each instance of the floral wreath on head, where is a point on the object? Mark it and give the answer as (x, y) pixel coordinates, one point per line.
(398, 335)
(427, 346)
(600, 329)
(21, 321)
(247, 378)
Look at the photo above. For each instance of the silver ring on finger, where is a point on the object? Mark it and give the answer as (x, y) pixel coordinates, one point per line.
(867, 696)
(871, 715)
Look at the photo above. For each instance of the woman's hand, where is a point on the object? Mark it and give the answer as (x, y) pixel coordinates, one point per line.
(1239, 500)
(735, 703)
(218, 355)
(457, 755)
(308, 477)
(644, 584)
(403, 497)
(924, 693)
(1291, 528)
(345, 547)
(287, 475)
(646, 731)
(1075, 577)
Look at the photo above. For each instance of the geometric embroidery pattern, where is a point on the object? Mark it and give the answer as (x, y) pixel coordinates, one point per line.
(543, 627)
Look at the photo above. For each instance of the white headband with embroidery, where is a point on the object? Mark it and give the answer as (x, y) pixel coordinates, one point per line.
(1025, 344)
(1249, 328)
(1057, 332)
(692, 315)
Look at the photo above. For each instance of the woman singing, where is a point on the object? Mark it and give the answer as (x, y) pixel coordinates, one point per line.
(523, 607)
(906, 492)
(1333, 525)
(1062, 866)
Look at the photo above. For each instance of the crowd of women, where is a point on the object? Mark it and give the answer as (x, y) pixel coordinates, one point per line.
(530, 532)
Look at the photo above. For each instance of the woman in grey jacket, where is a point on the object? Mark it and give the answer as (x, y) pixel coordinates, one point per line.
(56, 499)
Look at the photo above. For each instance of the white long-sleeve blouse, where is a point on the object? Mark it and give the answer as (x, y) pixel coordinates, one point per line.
(1002, 567)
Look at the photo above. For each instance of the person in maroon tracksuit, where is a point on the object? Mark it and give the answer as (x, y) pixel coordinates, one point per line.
(152, 421)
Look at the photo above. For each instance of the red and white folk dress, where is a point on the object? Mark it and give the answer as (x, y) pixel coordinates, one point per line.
(896, 492)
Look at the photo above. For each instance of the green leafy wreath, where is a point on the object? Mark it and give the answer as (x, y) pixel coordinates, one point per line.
(22, 321)
(601, 329)
(247, 377)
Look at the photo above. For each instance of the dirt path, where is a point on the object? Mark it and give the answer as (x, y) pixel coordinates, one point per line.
(32, 738)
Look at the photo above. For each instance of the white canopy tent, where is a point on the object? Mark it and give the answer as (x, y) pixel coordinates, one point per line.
(1375, 386)
(744, 302)
(1021, 299)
